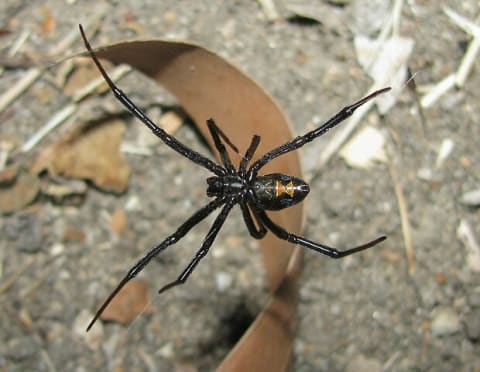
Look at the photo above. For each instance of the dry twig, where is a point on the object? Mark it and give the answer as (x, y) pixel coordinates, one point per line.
(9, 282)
(404, 219)
(34, 73)
(66, 112)
(459, 77)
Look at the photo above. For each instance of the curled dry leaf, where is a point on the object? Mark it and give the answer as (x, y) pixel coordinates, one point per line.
(209, 87)
(90, 152)
(131, 301)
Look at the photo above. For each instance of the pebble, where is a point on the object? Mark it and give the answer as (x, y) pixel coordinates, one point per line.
(472, 325)
(93, 338)
(473, 298)
(20, 348)
(223, 281)
(31, 242)
(166, 351)
(471, 198)
(57, 249)
(445, 321)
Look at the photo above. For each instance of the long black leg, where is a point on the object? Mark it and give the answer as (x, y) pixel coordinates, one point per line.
(172, 239)
(248, 155)
(310, 136)
(257, 233)
(169, 140)
(216, 133)
(207, 242)
(321, 248)
(224, 137)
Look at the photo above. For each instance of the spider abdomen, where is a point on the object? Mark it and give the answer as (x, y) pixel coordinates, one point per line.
(278, 191)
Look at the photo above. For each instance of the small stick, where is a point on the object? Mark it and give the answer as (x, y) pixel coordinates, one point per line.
(34, 73)
(402, 208)
(15, 47)
(57, 119)
(269, 9)
(466, 234)
(467, 62)
(438, 90)
(117, 74)
(19, 87)
(10, 281)
(19, 43)
(471, 54)
(466, 25)
(412, 87)
(460, 76)
(128, 148)
(48, 360)
(66, 112)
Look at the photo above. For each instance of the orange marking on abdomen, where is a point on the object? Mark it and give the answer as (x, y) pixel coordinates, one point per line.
(290, 189)
(280, 189)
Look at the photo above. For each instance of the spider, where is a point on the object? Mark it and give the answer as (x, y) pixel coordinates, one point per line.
(255, 194)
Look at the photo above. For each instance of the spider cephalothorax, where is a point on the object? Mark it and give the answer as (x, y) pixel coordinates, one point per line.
(231, 186)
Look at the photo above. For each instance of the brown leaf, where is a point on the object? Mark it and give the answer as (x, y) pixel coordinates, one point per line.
(131, 301)
(90, 152)
(8, 175)
(209, 87)
(19, 194)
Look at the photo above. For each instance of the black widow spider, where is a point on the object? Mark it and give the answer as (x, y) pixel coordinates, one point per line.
(253, 193)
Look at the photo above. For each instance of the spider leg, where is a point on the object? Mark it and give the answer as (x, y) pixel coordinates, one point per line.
(248, 155)
(169, 140)
(281, 233)
(207, 242)
(224, 136)
(299, 141)
(216, 133)
(172, 239)
(257, 233)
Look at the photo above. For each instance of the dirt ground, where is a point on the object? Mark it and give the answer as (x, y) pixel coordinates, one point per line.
(367, 312)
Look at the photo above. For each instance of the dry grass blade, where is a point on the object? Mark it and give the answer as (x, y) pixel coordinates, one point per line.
(9, 282)
(70, 109)
(57, 119)
(34, 73)
(404, 219)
